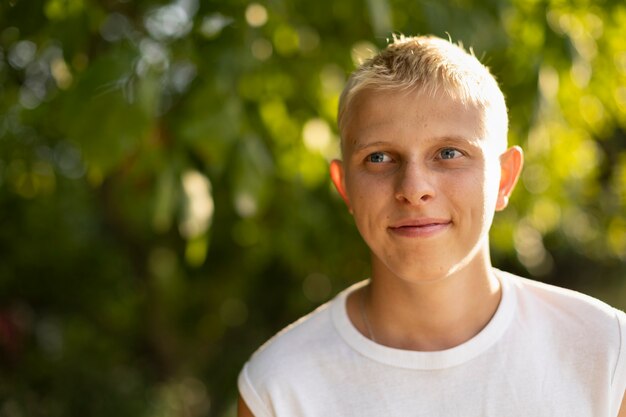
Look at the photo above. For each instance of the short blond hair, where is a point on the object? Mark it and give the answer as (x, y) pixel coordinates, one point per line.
(430, 65)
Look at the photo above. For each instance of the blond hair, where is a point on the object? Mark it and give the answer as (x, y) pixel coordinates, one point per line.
(430, 65)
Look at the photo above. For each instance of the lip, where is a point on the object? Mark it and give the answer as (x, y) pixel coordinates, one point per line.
(420, 227)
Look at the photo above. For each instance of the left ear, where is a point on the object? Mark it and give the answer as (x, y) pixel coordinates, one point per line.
(337, 175)
(511, 163)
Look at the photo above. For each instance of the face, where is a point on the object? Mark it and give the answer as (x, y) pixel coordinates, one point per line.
(422, 179)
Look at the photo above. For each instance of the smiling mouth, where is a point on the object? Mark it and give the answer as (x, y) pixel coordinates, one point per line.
(424, 228)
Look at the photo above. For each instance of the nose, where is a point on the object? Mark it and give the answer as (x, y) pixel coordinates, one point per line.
(415, 184)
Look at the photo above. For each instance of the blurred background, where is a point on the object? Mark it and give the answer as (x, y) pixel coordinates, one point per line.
(164, 199)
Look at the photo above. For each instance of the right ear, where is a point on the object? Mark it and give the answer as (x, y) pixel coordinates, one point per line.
(511, 162)
(337, 175)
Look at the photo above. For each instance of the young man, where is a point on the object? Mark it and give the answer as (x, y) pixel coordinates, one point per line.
(436, 331)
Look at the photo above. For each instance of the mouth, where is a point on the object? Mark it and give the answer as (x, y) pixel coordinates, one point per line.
(424, 227)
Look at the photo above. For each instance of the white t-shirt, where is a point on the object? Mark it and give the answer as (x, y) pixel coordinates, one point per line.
(547, 351)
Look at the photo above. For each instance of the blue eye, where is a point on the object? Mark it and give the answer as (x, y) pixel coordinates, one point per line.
(449, 153)
(378, 157)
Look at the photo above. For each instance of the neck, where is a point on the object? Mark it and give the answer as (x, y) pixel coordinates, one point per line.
(428, 315)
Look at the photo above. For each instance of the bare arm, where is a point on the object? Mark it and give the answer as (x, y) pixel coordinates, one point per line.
(622, 409)
(244, 411)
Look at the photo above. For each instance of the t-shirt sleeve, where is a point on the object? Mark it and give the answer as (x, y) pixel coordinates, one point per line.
(250, 395)
(618, 381)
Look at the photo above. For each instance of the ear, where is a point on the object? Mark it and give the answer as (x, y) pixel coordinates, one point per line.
(511, 163)
(337, 175)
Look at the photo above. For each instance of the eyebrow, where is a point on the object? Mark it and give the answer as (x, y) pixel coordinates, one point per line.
(361, 147)
(443, 139)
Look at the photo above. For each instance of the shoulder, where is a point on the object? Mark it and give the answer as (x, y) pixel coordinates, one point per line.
(298, 351)
(564, 303)
(568, 315)
(288, 344)
(579, 324)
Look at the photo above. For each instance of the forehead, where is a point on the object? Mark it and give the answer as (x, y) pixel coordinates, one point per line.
(393, 115)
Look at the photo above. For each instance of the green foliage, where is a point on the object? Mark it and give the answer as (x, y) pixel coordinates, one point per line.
(163, 188)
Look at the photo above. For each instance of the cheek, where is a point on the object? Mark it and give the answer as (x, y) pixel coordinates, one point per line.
(492, 184)
(363, 190)
(368, 198)
(466, 185)
(471, 192)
